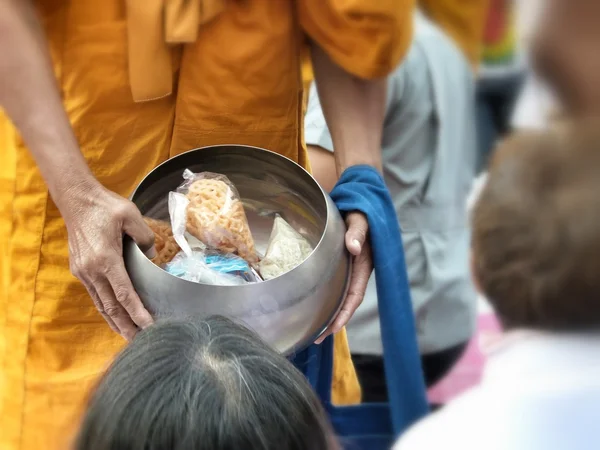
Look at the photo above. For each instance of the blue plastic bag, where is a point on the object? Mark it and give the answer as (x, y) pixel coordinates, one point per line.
(212, 268)
(232, 265)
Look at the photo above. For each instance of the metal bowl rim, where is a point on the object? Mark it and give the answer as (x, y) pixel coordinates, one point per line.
(259, 149)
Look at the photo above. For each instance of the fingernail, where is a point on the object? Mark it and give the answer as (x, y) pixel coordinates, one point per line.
(151, 252)
(321, 338)
(356, 243)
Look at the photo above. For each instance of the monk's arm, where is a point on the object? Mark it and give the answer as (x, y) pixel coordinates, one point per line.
(322, 163)
(30, 96)
(95, 217)
(354, 109)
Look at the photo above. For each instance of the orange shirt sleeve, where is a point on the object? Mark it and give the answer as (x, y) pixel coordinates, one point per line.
(463, 20)
(367, 38)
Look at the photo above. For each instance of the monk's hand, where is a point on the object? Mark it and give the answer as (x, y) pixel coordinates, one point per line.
(96, 220)
(362, 266)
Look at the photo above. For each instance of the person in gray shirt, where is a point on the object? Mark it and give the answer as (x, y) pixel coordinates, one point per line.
(429, 154)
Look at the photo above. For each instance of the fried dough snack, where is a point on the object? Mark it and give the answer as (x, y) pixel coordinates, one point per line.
(164, 242)
(216, 216)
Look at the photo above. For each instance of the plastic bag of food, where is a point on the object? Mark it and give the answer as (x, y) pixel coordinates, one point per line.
(195, 268)
(178, 204)
(215, 214)
(287, 249)
(164, 241)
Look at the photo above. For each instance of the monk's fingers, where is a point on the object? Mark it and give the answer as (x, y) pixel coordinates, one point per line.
(126, 296)
(114, 310)
(362, 268)
(96, 299)
(324, 335)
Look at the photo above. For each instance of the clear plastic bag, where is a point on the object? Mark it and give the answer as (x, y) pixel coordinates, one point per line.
(287, 249)
(178, 204)
(214, 214)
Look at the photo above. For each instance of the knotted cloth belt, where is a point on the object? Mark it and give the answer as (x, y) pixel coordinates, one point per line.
(153, 28)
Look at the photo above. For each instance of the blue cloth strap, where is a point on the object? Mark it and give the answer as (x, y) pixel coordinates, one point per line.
(362, 188)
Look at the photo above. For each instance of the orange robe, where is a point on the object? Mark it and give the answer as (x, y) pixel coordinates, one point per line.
(236, 80)
(463, 20)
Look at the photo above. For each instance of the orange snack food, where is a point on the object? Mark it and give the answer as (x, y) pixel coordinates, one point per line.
(164, 242)
(216, 216)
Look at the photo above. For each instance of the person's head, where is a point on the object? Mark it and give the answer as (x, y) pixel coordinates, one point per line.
(565, 53)
(204, 385)
(536, 230)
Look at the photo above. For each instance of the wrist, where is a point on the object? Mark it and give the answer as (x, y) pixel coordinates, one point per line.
(372, 159)
(70, 192)
(62, 165)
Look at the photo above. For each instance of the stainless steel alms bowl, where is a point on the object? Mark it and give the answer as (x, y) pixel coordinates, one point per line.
(290, 311)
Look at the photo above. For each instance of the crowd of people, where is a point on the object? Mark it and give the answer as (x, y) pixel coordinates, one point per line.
(428, 95)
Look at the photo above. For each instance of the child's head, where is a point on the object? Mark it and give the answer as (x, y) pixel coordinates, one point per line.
(565, 53)
(203, 384)
(536, 230)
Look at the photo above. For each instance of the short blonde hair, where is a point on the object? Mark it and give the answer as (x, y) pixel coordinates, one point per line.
(536, 229)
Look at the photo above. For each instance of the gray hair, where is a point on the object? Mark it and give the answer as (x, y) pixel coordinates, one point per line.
(205, 384)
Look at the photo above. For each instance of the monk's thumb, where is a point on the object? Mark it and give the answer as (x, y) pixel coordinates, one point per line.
(356, 235)
(136, 227)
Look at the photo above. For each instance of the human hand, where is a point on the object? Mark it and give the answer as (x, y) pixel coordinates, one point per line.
(96, 220)
(362, 265)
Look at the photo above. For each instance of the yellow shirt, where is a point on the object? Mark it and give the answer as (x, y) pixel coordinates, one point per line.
(237, 80)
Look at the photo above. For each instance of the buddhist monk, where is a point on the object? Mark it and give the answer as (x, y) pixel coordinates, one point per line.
(95, 94)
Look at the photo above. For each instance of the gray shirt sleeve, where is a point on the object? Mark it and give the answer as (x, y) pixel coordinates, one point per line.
(316, 131)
